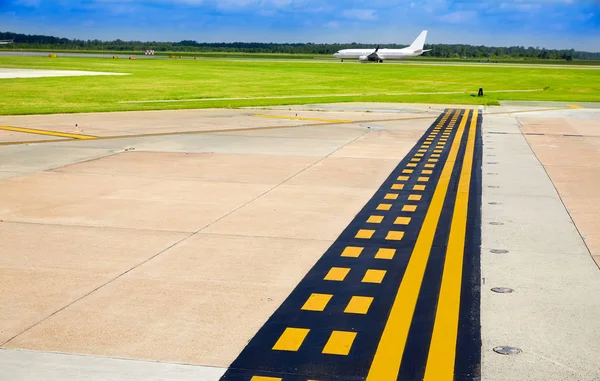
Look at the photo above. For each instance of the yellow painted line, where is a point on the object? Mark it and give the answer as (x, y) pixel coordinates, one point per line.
(402, 221)
(442, 352)
(374, 220)
(388, 357)
(301, 118)
(317, 302)
(45, 132)
(394, 236)
(365, 234)
(291, 339)
(359, 305)
(409, 208)
(339, 343)
(261, 378)
(575, 106)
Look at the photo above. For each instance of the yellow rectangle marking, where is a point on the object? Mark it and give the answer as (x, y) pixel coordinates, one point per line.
(373, 276)
(414, 197)
(415, 159)
(422, 151)
(575, 106)
(46, 132)
(433, 160)
(442, 352)
(398, 186)
(337, 274)
(384, 207)
(317, 302)
(411, 165)
(427, 172)
(391, 196)
(394, 236)
(408, 171)
(419, 187)
(291, 339)
(364, 234)
(339, 343)
(423, 179)
(409, 208)
(419, 155)
(359, 305)
(385, 254)
(375, 219)
(353, 251)
(390, 350)
(402, 220)
(403, 178)
(261, 378)
(437, 151)
(429, 165)
(435, 155)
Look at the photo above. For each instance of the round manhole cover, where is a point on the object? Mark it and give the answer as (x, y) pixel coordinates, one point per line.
(502, 290)
(499, 251)
(506, 350)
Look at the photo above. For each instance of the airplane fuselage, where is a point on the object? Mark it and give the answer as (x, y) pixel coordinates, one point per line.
(383, 54)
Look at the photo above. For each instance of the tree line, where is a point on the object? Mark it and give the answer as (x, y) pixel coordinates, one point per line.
(26, 41)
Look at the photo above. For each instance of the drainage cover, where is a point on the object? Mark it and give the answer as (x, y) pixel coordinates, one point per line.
(505, 350)
(492, 173)
(495, 203)
(496, 223)
(499, 251)
(493, 186)
(492, 162)
(502, 290)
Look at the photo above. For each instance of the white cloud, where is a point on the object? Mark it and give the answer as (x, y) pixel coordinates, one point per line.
(360, 14)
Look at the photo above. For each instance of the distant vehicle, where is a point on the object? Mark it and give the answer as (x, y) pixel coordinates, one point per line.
(379, 55)
(6, 42)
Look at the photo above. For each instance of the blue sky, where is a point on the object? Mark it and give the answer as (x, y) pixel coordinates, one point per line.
(545, 23)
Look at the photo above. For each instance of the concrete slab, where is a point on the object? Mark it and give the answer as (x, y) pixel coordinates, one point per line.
(198, 303)
(11, 137)
(45, 268)
(29, 365)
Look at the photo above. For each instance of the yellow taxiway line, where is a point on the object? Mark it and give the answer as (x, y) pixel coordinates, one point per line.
(46, 132)
(442, 351)
(388, 356)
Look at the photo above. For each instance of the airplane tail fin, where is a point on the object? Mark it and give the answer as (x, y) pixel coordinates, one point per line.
(419, 42)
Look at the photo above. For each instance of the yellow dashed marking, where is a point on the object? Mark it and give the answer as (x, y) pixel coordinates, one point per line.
(337, 274)
(423, 179)
(391, 196)
(575, 106)
(291, 339)
(411, 165)
(375, 219)
(433, 160)
(409, 208)
(317, 302)
(422, 151)
(427, 172)
(385, 207)
(339, 343)
(385, 254)
(429, 165)
(403, 178)
(419, 155)
(373, 276)
(437, 151)
(414, 197)
(398, 186)
(415, 160)
(353, 251)
(394, 236)
(261, 378)
(359, 305)
(419, 187)
(402, 220)
(435, 155)
(408, 171)
(364, 234)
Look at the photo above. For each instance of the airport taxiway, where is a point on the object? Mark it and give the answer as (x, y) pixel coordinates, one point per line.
(161, 244)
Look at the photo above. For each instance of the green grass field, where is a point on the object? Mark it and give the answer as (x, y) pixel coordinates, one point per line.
(299, 82)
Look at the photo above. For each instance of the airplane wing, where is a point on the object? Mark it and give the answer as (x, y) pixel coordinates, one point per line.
(374, 56)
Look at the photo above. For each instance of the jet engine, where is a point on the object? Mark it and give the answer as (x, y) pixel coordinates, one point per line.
(363, 58)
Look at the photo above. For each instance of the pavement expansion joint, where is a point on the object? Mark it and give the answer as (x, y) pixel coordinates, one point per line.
(395, 296)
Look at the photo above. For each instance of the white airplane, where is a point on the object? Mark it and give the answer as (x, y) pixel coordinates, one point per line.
(6, 42)
(378, 55)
